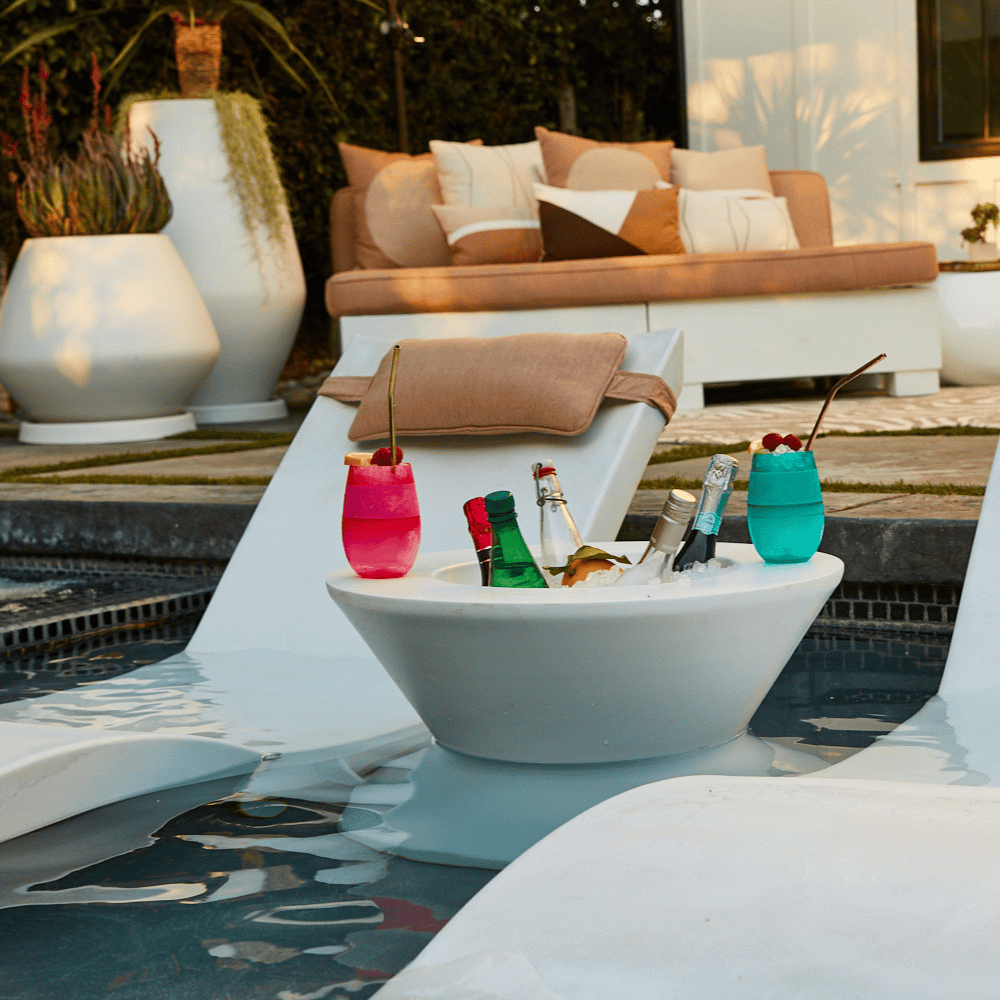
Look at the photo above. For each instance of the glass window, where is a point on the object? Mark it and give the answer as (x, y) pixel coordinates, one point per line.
(959, 54)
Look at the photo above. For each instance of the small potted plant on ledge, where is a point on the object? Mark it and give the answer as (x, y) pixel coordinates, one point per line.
(980, 248)
(103, 333)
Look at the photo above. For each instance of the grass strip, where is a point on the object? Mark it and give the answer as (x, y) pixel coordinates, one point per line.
(205, 434)
(148, 480)
(19, 472)
(935, 489)
(970, 431)
(685, 451)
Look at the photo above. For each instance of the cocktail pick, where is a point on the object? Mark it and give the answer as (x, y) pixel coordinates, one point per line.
(833, 392)
(392, 404)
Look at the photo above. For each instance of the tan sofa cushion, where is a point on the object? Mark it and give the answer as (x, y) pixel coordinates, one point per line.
(808, 205)
(612, 280)
(589, 165)
(550, 383)
(342, 230)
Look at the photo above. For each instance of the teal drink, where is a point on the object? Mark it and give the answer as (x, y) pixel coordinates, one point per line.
(785, 506)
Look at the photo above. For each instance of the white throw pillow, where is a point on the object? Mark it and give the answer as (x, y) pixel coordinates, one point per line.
(732, 221)
(491, 175)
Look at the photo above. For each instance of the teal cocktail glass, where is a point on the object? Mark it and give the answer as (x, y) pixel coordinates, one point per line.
(785, 506)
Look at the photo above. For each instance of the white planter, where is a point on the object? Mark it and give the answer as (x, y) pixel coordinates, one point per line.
(256, 305)
(982, 251)
(103, 338)
(970, 327)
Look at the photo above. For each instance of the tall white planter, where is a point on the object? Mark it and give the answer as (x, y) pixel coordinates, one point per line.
(256, 304)
(103, 338)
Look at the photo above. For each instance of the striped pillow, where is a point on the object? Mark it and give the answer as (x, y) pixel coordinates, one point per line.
(733, 221)
(490, 235)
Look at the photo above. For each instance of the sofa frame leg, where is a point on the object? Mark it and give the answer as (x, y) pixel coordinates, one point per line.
(915, 383)
(692, 396)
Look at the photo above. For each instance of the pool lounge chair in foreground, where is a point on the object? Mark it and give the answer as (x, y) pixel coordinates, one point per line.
(876, 878)
(275, 682)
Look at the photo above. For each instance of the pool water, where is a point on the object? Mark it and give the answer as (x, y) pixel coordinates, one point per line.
(246, 898)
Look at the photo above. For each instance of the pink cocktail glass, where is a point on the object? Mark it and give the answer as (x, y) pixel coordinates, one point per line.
(381, 523)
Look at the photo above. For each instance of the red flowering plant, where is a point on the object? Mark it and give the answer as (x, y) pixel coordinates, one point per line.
(106, 189)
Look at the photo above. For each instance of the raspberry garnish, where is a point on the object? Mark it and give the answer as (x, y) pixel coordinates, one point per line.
(791, 441)
(771, 441)
(383, 456)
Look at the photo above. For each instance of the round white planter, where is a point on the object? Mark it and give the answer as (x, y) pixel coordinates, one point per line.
(256, 305)
(970, 327)
(103, 338)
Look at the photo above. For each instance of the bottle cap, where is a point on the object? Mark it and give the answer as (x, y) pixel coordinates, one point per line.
(479, 523)
(722, 471)
(499, 503)
(679, 505)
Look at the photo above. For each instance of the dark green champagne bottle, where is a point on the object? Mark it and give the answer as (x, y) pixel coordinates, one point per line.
(512, 562)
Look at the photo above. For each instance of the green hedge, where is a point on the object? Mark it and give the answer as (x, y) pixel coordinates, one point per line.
(490, 69)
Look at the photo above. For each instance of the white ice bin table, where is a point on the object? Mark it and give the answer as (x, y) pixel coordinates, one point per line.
(544, 702)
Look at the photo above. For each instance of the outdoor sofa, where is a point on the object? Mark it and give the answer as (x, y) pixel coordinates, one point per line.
(818, 310)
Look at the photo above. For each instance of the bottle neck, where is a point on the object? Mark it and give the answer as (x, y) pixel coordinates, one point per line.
(552, 501)
(708, 517)
(667, 535)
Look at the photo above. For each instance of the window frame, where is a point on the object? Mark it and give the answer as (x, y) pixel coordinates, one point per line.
(929, 97)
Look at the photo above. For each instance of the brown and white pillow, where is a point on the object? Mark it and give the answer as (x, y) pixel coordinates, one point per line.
(587, 165)
(393, 194)
(611, 223)
(733, 221)
(488, 175)
(489, 234)
(744, 167)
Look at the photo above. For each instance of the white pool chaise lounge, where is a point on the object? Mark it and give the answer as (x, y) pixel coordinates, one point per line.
(876, 877)
(275, 682)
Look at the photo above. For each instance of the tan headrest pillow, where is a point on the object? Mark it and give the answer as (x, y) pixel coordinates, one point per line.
(549, 383)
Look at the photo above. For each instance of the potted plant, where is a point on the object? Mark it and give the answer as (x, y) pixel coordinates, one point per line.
(231, 224)
(232, 228)
(980, 248)
(103, 334)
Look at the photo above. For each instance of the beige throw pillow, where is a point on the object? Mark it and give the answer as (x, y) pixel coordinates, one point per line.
(490, 235)
(745, 167)
(732, 221)
(393, 222)
(588, 165)
(488, 175)
(585, 224)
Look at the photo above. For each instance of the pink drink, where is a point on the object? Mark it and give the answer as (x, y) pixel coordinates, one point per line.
(381, 523)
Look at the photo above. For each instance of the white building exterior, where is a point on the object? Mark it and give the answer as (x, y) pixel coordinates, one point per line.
(831, 86)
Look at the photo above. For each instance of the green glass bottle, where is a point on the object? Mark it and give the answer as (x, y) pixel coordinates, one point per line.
(512, 562)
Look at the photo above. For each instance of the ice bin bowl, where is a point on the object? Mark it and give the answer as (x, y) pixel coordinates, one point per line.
(586, 675)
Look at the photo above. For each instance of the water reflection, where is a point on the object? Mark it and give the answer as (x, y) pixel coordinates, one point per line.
(263, 897)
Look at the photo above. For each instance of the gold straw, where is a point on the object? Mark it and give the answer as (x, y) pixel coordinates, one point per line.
(833, 392)
(392, 404)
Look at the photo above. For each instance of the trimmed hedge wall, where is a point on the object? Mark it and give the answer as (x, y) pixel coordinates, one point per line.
(490, 69)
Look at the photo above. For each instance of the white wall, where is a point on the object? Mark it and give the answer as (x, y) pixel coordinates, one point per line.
(831, 86)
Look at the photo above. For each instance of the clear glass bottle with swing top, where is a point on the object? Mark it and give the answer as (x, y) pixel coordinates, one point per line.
(558, 533)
